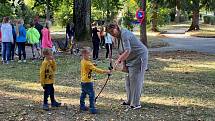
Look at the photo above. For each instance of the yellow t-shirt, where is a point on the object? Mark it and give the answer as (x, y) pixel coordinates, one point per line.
(86, 69)
(47, 72)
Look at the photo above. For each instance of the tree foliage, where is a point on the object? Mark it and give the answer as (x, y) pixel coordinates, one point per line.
(5, 9)
(109, 8)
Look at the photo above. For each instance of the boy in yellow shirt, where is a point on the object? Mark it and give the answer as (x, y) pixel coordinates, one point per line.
(86, 84)
(47, 76)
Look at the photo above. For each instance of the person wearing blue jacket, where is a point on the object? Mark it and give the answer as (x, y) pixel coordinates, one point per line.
(21, 40)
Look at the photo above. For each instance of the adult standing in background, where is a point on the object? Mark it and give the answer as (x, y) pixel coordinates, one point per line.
(7, 40)
(135, 56)
(69, 35)
(96, 41)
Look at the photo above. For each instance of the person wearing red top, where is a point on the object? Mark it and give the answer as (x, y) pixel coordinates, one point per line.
(46, 37)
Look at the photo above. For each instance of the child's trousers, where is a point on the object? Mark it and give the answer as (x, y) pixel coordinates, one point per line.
(48, 90)
(87, 89)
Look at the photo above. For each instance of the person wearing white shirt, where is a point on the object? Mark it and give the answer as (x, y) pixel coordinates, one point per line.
(108, 45)
(7, 40)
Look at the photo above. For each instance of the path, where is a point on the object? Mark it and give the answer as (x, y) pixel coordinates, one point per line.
(179, 41)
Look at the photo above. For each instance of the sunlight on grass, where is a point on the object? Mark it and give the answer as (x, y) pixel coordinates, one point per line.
(28, 87)
(176, 83)
(37, 86)
(187, 65)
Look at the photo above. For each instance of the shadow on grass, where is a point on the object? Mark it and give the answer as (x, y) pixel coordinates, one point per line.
(107, 111)
(195, 87)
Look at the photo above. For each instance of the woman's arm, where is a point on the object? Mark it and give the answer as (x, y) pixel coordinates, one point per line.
(123, 56)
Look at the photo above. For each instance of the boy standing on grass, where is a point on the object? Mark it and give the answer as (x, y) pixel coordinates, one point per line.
(86, 84)
(47, 74)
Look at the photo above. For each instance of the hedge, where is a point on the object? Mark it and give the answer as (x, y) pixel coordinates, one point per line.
(209, 20)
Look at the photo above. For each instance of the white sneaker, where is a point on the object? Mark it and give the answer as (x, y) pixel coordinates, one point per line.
(19, 61)
(135, 107)
(24, 61)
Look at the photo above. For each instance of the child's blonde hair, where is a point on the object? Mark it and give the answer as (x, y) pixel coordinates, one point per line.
(85, 50)
(47, 51)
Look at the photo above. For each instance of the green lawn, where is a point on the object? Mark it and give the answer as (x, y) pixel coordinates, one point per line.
(179, 86)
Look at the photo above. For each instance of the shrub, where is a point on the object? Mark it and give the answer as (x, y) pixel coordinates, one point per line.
(212, 20)
(206, 19)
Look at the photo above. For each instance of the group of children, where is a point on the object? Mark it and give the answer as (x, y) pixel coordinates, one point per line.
(38, 36)
(47, 74)
(14, 33)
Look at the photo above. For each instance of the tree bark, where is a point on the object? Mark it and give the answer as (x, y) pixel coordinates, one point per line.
(195, 17)
(195, 21)
(177, 14)
(143, 36)
(82, 20)
(48, 9)
(154, 20)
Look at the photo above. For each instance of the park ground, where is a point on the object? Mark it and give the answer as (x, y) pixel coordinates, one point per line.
(179, 86)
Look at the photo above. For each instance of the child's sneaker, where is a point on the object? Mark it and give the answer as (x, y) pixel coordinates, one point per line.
(45, 107)
(93, 111)
(19, 61)
(56, 104)
(135, 107)
(84, 108)
(24, 61)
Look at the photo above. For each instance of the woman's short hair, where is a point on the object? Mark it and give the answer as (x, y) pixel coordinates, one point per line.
(111, 26)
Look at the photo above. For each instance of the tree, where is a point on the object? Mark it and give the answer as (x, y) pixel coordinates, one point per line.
(154, 17)
(143, 36)
(195, 6)
(109, 8)
(48, 5)
(82, 20)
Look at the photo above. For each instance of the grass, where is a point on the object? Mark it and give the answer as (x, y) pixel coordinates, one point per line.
(179, 86)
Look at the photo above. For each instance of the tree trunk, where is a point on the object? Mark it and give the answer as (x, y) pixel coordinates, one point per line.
(195, 17)
(143, 36)
(108, 16)
(177, 14)
(195, 21)
(82, 20)
(48, 9)
(154, 20)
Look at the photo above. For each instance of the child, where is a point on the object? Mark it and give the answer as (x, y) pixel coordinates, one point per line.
(47, 73)
(86, 85)
(33, 37)
(108, 45)
(46, 37)
(7, 39)
(21, 39)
